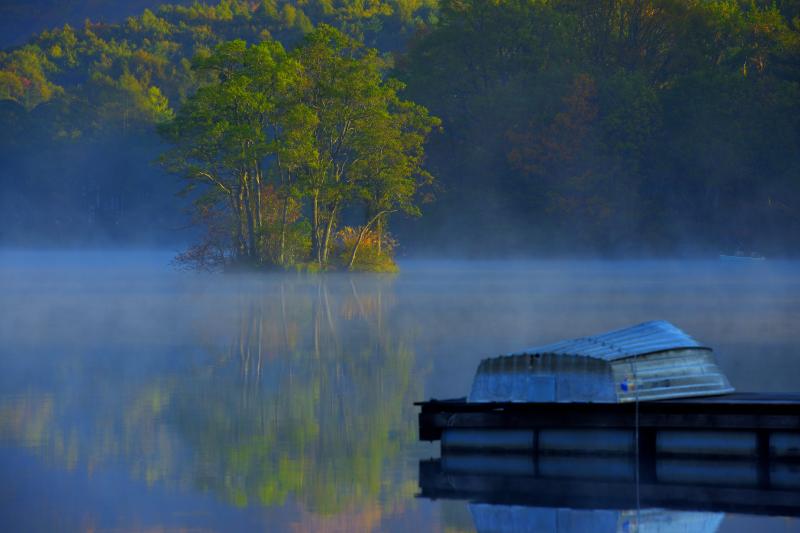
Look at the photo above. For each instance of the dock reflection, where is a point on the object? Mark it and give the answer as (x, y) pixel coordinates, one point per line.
(568, 492)
(502, 518)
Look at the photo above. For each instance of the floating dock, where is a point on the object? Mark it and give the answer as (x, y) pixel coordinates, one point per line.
(597, 429)
(649, 389)
(738, 424)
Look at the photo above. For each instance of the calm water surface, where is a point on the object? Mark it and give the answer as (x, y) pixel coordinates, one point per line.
(137, 397)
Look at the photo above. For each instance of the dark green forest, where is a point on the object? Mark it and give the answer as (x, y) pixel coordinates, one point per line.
(613, 127)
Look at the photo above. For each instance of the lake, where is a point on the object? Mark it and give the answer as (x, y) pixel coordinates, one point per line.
(134, 396)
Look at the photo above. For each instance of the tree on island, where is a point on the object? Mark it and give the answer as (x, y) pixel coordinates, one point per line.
(277, 146)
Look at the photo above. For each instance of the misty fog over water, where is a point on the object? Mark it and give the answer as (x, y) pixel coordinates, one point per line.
(139, 396)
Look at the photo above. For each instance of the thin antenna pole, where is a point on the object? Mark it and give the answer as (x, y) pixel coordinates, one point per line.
(636, 433)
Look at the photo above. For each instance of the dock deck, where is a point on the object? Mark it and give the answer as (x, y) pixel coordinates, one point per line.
(738, 411)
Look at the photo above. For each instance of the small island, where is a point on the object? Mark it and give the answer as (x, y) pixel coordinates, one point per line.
(276, 147)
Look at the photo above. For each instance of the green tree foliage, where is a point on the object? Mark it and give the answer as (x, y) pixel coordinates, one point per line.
(319, 123)
(222, 134)
(23, 77)
(368, 142)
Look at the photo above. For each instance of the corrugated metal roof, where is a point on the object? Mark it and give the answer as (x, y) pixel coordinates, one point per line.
(646, 338)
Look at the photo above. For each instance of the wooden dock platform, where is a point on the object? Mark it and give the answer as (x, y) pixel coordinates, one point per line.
(751, 424)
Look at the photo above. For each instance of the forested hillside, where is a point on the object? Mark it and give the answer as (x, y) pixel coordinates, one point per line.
(622, 126)
(79, 108)
(625, 125)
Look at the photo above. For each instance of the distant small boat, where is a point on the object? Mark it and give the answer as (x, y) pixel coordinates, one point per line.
(741, 257)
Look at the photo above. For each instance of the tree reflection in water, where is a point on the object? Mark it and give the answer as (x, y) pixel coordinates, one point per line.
(303, 394)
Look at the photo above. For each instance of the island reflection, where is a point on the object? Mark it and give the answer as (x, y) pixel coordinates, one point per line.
(302, 393)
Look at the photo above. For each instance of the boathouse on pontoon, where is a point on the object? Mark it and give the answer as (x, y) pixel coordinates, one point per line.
(651, 361)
